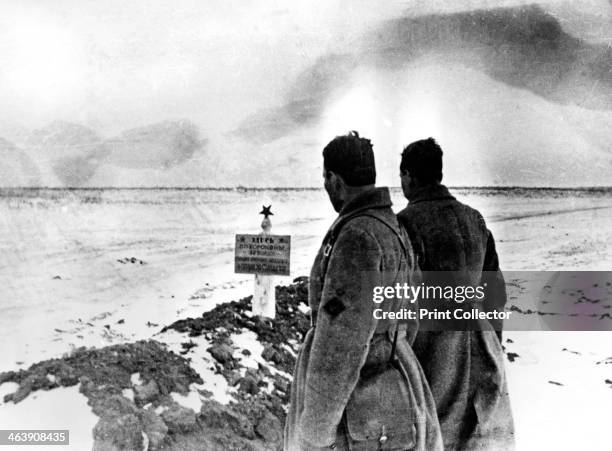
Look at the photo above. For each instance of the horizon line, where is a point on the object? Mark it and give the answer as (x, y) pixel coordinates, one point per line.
(295, 188)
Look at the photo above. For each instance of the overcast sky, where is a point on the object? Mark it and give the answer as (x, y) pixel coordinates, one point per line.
(114, 65)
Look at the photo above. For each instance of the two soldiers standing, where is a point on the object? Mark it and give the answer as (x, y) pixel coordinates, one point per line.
(367, 384)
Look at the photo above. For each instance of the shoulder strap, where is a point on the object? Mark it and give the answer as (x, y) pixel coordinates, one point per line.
(333, 234)
(405, 249)
(394, 345)
(393, 229)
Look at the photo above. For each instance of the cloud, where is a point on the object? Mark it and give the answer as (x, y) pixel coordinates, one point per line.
(72, 151)
(307, 100)
(157, 146)
(75, 152)
(299, 78)
(523, 47)
(78, 170)
(64, 138)
(16, 168)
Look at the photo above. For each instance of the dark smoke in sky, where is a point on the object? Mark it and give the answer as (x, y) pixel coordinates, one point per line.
(16, 168)
(158, 146)
(523, 47)
(77, 170)
(307, 100)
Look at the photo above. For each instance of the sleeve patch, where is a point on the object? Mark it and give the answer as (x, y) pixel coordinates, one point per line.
(334, 307)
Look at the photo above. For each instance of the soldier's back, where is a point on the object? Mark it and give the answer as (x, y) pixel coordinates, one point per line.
(464, 368)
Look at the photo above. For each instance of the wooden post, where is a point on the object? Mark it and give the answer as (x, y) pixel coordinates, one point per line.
(264, 293)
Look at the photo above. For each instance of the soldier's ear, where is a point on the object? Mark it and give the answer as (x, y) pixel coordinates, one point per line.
(337, 181)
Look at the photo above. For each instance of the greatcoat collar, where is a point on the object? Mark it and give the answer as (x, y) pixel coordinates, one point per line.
(374, 198)
(430, 192)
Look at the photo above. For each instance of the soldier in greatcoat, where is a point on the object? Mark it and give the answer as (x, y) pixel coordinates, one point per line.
(464, 368)
(356, 386)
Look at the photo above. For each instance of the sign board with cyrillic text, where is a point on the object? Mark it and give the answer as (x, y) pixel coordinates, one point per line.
(262, 254)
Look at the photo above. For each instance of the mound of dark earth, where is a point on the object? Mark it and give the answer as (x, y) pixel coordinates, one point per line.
(287, 329)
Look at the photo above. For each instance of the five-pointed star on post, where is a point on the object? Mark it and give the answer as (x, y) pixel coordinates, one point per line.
(266, 211)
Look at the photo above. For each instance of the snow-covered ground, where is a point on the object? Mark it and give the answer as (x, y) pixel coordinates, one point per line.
(59, 409)
(71, 275)
(67, 267)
